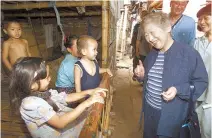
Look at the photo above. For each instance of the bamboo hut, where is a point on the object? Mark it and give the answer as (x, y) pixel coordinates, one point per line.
(45, 25)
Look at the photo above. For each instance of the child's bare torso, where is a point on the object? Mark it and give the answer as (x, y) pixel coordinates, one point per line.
(17, 49)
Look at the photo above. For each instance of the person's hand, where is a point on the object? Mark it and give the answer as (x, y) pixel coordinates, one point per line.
(137, 54)
(109, 72)
(139, 70)
(169, 94)
(93, 99)
(98, 91)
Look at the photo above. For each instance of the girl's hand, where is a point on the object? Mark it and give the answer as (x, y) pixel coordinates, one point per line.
(169, 94)
(99, 91)
(93, 99)
(109, 72)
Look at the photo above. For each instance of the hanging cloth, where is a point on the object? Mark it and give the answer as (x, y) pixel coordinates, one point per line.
(49, 35)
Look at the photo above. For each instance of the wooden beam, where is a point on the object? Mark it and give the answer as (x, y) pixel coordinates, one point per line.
(80, 10)
(105, 32)
(39, 5)
(92, 122)
(51, 14)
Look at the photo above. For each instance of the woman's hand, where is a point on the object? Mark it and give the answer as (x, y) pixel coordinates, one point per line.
(139, 70)
(99, 91)
(93, 99)
(109, 72)
(169, 94)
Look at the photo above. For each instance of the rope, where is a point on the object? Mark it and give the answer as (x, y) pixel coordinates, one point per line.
(33, 31)
(53, 4)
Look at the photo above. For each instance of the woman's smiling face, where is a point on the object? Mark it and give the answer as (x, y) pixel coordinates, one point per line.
(204, 22)
(155, 35)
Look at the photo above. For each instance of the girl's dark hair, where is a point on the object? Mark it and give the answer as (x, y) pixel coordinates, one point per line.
(22, 78)
(69, 41)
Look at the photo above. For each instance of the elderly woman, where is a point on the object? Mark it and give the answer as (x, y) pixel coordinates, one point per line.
(203, 46)
(168, 71)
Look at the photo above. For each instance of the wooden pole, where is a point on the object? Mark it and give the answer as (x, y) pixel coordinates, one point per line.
(39, 5)
(123, 42)
(105, 32)
(92, 122)
(106, 120)
(47, 14)
(119, 28)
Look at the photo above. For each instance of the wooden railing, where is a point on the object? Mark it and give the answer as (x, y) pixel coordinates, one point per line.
(93, 121)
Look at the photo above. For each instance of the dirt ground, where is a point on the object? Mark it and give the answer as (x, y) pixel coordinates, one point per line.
(125, 113)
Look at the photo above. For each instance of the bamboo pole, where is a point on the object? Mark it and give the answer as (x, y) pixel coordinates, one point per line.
(105, 32)
(39, 5)
(119, 27)
(123, 42)
(92, 122)
(51, 14)
(106, 121)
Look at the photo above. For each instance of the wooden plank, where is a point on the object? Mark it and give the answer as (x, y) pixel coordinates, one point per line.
(13, 127)
(6, 116)
(10, 134)
(40, 5)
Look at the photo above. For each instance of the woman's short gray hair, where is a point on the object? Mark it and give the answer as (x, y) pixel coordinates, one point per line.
(158, 18)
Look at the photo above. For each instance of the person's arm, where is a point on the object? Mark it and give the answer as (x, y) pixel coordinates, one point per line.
(72, 97)
(138, 41)
(77, 78)
(5, 55)
(192, 34)
(27, 47)
(137, 47)
(107, 70)
(60, 122)
(199, 78)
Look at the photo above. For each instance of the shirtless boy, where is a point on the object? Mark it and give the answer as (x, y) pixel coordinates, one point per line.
(14, 47)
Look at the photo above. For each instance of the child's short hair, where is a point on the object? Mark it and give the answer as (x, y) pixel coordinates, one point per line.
(82, 42)
(69, 41)
(6, 23)
(158, 18)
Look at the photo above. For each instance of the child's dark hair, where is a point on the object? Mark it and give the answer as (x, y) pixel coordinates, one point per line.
(6, 23)
(69, 41)
(22, 78)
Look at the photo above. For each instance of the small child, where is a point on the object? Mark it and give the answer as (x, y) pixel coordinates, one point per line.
(44, 111)
(87, 71)
(15, 47)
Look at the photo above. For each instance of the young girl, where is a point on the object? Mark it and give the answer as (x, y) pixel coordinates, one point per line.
(44, 111)
(87, 69)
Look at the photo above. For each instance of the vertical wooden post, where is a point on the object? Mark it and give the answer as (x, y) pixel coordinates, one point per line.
(123, 42)
(118, 31)
(105, 32)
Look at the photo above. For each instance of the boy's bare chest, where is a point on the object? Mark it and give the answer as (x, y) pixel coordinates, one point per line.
(20, 46)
